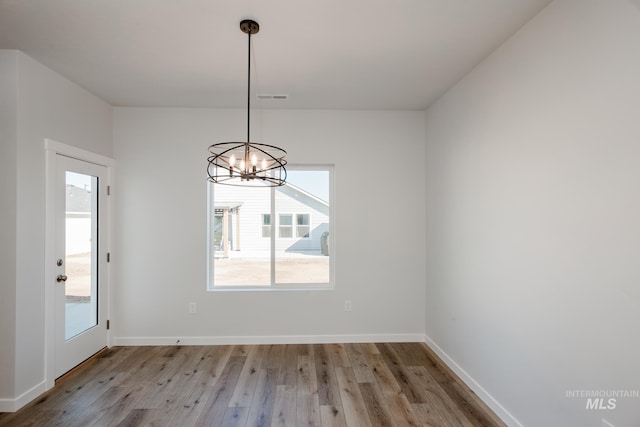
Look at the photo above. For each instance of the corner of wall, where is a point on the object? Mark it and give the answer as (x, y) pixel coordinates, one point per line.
(8, 193)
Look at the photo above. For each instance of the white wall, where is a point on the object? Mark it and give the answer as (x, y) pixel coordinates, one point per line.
(49, 106)
(160, 209)
(8, 185)
(533, 200)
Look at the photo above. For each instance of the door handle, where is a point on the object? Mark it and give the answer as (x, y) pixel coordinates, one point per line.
(61, 278)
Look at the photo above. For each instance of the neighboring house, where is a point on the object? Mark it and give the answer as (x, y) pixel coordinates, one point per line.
(77, 220)
(300, 223)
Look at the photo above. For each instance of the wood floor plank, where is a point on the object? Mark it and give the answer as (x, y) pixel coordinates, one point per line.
(288, 374)
(273, 356)
(216, 407)
(191, 407)
(79, 395)
(469, 402)
(361, 363)
(215, 365)
(376, 405)
(403, 413)
(435, 397)
(332, 416)
(243, 392)
(235, 416)
(410, 354)
(136, 417)
(305, 349)
(81, 390)
(328, 390)
(188, 374)
(306, 379)
(178, 382)
(384, 376)
(88, 415)
(370, 348)
(261, 409)
(427, 414)
(141, 357)
(307, 402)
(355, 410)
(284, 410)
(113, 412)
(158, 390)
(308, 410)
(33, 418)
(380, 384)
(339, 355)
(241, 350)
(145, 371)
(393, 362)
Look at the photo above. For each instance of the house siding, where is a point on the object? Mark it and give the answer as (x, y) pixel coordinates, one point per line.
(255, 201)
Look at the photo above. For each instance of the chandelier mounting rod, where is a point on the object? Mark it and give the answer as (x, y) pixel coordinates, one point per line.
(247, 163)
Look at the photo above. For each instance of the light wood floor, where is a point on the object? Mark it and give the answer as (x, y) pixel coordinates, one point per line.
(400, 384)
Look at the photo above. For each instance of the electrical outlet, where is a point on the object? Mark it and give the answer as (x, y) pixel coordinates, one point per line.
(192, 308)
(347, 305)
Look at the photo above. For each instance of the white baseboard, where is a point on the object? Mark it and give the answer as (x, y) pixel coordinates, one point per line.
(489, 400)
(12, 405)
(275, 339)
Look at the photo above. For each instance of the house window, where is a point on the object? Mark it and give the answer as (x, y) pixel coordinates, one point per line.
(285, 226)
(266, 225)
(276, 238)
(302, 226)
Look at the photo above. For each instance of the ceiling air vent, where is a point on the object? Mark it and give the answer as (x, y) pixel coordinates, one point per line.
(265, 97)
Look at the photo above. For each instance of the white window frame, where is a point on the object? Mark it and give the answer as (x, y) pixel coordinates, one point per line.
(276, 286)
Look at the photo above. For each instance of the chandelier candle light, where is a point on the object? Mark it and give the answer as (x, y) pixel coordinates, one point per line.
(247, 164)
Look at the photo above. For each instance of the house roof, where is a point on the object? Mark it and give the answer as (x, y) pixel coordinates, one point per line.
(333, 54)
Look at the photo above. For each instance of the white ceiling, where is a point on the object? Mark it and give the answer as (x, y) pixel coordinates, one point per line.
(338, 54)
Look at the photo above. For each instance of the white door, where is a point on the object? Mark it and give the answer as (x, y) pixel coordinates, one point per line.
(81, 279)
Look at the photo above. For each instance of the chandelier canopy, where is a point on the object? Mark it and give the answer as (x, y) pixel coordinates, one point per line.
(247, 163)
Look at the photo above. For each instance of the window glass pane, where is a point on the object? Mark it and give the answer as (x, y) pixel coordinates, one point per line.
(302, 231)
(302, 219)
(285, 219)
(266, 225)
(238, 255)
(285, 232)
(302, 228)
(305, 258)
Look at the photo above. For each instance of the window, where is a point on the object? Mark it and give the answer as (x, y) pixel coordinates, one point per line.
(272, 238)
(266, 225)
(285, 226)
(302, 226)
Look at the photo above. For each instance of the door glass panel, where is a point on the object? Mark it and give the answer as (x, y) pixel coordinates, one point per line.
(81, 242)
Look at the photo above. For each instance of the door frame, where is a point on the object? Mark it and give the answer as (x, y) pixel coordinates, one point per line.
(52, 150)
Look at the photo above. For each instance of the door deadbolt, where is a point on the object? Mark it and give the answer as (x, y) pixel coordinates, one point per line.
(59, 262)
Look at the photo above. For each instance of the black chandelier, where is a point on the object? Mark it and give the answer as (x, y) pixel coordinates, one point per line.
(247, 164)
